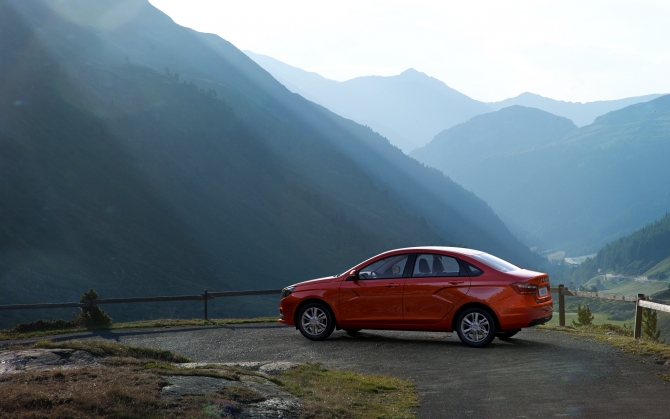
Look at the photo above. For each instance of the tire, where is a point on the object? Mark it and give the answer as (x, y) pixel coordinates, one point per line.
(476, 327)
(315, 321)
(351, 331)
(506, 335)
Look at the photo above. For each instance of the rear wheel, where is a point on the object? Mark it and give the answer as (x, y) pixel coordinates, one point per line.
(475, 327)
(506, 335)
(315, 321)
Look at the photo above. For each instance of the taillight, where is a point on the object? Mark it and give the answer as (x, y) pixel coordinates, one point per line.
(524, 288)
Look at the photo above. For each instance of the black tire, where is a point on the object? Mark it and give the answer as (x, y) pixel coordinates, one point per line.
(322, 325)
(352, 331)
(506, 335)
(476, 327)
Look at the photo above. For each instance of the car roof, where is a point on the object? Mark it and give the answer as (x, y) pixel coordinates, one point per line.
(461, 250)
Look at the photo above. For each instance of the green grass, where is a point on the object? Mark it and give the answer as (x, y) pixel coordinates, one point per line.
(164, 323)
(599, 318)
(117, 350)
(627, 287)
(660, 271)
(346, 394)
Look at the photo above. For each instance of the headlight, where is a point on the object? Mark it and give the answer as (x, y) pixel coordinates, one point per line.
(287, 291)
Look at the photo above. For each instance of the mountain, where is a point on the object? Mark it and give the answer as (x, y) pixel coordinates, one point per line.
(580, 113)
(463, 148)
(408, 109)
(576, 193)
(645, 252)
(139, 157)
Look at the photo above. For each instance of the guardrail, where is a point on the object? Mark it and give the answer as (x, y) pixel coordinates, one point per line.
(640, 301)
(205, 296)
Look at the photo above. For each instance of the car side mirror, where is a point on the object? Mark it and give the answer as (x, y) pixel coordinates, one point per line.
(353, 275)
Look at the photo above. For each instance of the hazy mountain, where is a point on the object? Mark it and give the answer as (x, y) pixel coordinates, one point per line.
(461, 149)
(580, 113)
(577, 193)
(408, 109)
(203, 172)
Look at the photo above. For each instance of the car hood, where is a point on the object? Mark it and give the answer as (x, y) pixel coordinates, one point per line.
(315, 281)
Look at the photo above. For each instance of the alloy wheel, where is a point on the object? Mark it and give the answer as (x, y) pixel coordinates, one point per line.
(314, 321)
(475, 327)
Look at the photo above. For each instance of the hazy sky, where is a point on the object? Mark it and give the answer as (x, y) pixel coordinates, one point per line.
(489, 50)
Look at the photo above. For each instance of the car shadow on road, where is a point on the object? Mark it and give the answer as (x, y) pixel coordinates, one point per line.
(432, 339)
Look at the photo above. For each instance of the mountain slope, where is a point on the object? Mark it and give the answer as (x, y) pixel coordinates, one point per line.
(408, 109)
(458, 150)
(644, 252)
(595, 184)
(139, 182)
(580, 113)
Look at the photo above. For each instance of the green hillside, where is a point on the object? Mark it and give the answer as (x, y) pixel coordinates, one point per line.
(139, 181)
(642, 253)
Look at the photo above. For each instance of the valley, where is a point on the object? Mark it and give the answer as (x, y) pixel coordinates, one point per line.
(147, 158)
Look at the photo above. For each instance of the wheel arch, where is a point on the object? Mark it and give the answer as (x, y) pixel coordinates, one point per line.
(466, 306)
(313, 300)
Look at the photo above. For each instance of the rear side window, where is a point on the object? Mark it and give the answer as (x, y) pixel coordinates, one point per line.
(390, 267)
(436, 265)
(496, 263)
(472, 269)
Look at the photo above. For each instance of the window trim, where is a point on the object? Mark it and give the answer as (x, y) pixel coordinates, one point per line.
(409, 260)
(462, 269)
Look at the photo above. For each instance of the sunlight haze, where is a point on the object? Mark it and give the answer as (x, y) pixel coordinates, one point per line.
(566, 50)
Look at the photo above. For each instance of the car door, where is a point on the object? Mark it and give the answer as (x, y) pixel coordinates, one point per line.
(375, 295)
(437, 284)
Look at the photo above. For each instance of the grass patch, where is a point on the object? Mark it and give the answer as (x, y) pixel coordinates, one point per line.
(115, 350)
(43, 328)
(345, 394)
(128, 385)
(618, 337)
(599, 318)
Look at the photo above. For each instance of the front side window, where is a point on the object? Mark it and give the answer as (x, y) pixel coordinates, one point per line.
(390, 267)
(496, 263)
(436, 265)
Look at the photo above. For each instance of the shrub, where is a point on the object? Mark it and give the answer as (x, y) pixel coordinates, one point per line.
(584, 316)
(93, 316)
(649, 324)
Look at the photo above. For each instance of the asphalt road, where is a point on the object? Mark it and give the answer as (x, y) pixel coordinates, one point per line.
(537, 374)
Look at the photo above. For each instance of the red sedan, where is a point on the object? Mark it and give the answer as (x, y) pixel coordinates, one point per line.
(474, 293)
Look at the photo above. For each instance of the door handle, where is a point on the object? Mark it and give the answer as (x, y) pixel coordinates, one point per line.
(456, 282)
(391, 285)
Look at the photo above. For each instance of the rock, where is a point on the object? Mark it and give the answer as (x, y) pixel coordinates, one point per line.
(12, 362)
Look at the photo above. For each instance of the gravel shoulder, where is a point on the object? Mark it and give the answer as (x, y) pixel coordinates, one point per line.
(537, 374)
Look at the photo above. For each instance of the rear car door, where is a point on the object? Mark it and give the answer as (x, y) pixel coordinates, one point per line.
(375, 297)
(438, 282)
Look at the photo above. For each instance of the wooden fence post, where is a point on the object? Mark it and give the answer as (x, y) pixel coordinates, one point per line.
(561, 306)
(204, 295)
(637, 332)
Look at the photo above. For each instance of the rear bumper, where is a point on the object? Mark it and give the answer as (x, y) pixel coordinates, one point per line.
(541, 320)
(517, 316)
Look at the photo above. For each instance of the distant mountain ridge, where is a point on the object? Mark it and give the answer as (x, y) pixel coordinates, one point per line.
(575, 191)
(580, 113)
(411, 108)
(408, 109)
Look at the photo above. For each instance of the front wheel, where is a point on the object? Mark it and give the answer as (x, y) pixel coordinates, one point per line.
(315, 321)
(475, 327)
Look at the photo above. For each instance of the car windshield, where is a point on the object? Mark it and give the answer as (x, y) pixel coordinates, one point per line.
(496, 263)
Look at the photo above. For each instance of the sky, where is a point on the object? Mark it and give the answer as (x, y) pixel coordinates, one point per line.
(490, 50)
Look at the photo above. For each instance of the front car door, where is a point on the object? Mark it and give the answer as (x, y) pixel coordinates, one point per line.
(437, 284)
(375, 296)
